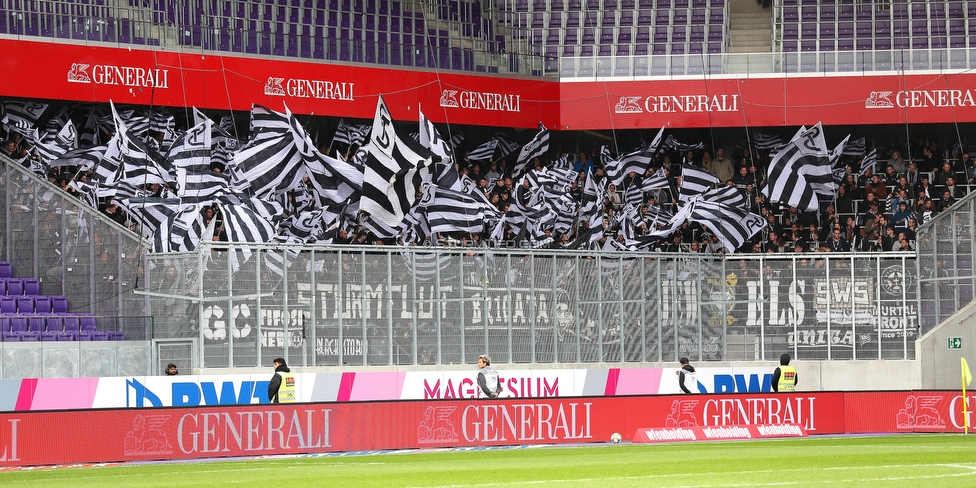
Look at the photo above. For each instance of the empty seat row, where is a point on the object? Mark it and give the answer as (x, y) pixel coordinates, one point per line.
(54, 328)
(40, 304)
(608, 5)
(20, 286)
(829, 11)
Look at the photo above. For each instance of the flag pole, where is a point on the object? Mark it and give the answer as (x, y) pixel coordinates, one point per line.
(965, 401)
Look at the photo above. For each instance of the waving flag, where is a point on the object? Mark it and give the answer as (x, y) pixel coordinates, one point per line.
(395, 167)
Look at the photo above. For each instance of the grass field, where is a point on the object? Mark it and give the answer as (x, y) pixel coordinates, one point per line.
(934, 460)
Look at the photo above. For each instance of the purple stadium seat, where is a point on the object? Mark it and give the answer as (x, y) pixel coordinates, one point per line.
(25, 305)
(36, 324)
(88, 322)
(8, 334)
(828, 13)
(98, 335)
(8, 305)
(15, 287)
(19, 326)
(42, 304)
(116, 335)
(59, 304)
(6, 269)
(53, 324)
(790, 31)
(86, 335)
(32, 286)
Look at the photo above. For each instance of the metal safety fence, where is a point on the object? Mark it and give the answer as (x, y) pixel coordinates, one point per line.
(373, 306)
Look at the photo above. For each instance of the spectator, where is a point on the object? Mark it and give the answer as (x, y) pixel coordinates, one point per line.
(843, 202)
(901, 216)
(942, 175)
(722, 166)
(897, 162)
(744, 178)
(837, 243)
(878, 187)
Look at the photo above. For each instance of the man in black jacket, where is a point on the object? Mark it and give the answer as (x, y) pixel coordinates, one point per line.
(686, 376)
(281, 388)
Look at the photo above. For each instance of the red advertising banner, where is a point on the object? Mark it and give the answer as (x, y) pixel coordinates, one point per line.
(775, 101)
(184, 79)
(91, 436)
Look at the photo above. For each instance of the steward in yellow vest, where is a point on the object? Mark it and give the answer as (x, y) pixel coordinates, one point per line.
(281, 389)
(784, 378)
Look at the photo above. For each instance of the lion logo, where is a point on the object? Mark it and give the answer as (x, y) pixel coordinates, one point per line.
(628, 105)
(79, 73)
(273, 87)
(879, 99)
(449, 99)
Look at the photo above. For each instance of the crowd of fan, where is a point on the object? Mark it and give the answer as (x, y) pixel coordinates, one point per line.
(876, 208)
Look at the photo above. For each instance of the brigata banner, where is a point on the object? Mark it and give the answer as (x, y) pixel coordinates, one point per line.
(91, 436)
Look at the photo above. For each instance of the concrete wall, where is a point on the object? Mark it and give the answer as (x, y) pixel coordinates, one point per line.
(939, 366)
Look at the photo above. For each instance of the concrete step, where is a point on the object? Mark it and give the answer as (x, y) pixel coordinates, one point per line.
(751, 35)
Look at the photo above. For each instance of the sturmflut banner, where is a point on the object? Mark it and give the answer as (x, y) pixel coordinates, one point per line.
(699, 309)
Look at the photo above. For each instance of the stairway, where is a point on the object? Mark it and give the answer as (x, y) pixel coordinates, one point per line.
(750, 38)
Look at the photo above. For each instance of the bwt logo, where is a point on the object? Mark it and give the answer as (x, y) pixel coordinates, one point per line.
(189, 394)
(727, 383)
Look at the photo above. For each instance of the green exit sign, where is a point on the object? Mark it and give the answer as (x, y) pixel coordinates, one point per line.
(955, 343)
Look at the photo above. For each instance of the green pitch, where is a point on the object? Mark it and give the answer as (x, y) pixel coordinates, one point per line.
(935, 460)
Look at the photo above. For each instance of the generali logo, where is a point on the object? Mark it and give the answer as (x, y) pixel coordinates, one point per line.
(920, 99)
(106, 74)
(501, 102)
(306, 88)
(677, 103)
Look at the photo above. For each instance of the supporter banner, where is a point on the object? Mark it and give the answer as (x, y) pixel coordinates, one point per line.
(774, 101)
(183, 79)
(87, 436)
(745, 432)
(251, 389)
(148, 77)
(841, 312)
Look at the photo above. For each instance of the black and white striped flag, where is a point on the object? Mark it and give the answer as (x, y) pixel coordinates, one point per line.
(270, 162)
(855, 148)
(351, 134)
(732, 225)
(637, 161)
(85, 158)
(764, 141)
(797, 170)
(484, 152)
(536, 148)
(431, 139)
(676, 145)
(454, 211)
(694, 181)
(728, 196)
(23, 114)
(658, 180)
(395, 167)
(869, 161)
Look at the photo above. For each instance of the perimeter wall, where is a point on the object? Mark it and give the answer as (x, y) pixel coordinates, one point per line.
(208, 432)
